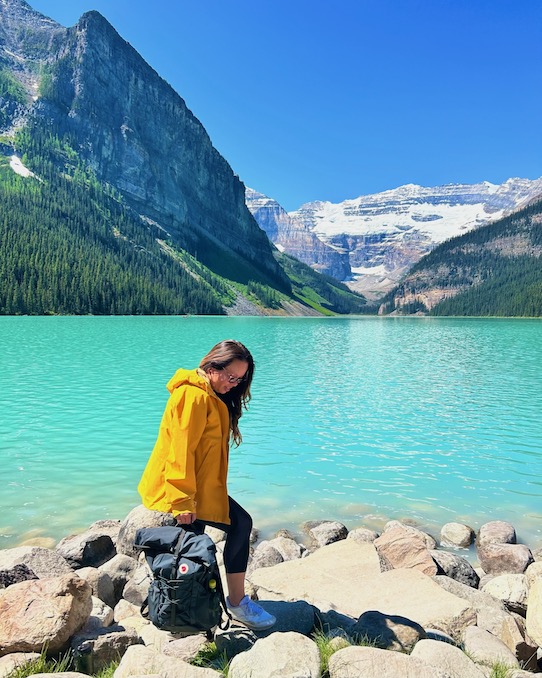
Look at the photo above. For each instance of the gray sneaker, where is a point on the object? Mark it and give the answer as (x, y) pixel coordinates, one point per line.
(251, 614)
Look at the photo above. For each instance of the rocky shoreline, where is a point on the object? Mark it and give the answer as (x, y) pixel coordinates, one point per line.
(396, 604)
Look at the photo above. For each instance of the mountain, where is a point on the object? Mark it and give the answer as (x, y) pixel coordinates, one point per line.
(378, 238)
(81, 111)
(493, 270)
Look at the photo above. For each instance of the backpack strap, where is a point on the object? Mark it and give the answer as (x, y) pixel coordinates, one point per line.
(223, 626)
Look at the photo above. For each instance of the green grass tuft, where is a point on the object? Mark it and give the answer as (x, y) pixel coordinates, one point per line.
(210, 658)
(43, 664)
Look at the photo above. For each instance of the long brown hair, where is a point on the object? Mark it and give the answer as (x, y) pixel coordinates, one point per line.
(219, 357)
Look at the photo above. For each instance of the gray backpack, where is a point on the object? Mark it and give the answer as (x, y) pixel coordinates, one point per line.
(186, 592)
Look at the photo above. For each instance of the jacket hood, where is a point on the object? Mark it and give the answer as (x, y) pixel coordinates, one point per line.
(192, 377)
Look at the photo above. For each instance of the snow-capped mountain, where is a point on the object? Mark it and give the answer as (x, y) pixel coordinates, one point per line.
(381, 236)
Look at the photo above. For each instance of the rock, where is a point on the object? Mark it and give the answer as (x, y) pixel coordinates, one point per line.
(456, 535)
(89, 549)
(511, 589)
(363, 535)
(325, 532)
(101, 616)
(288, 655)
(125, 609)
(139, 517)
(119, 569)
(43, 562)
(449, 659)
(216, 535)
(297, 616)
(185, 648)
(456, 567)
(404, 549)
(388, 632)
(234, 640)
(288, 548)
(486, 648)
(100, 583)
(430, 542)
(514, 635)
(137, 588)
(16, 660)
(15, 575)
(43, 611)
(504, 558)
(371, 662)
(534, 612)
(109, 527)
(61, 674)
(496, 532)
(346, 577)
(139, 660)
(534, 571)
(107, 646)
(265, 555)
(332, 622)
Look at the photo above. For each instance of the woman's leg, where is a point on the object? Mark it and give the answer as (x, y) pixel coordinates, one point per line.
(236, 551)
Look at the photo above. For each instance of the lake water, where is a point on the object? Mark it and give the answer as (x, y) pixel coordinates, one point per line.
(355, 419)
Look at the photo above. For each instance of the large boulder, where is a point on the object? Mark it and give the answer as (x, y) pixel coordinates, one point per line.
(388, 632)
(42, 562)
(398, 547)
(16, 660)
(346, 577)
(106, 646)
(430, 541)
(534, 612)
(89, 549)
(456, 567)
(363, 535)
(496, 532)
(485, 648)
(447, 658)
(137, 588)
(43, 611)
(288, 655)
(456, 535)
(325, 532)
(100, 583)
(109, 527)
(139, 517)
(15, 574)
(371, 662)
(504, 558)
(511, 589)
(139, 660)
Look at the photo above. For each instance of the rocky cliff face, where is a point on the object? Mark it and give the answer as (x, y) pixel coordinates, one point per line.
(378, 238)
(294, 238)
(133, 130)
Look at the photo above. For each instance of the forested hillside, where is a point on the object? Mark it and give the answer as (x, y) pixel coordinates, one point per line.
(493, 270)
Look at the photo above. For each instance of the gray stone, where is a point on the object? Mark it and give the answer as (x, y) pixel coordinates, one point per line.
(288, 655)
(101, 616)
(388, 632)
(216, 535)
(447, 658)
(124, 609)
(456, 567)
(325, 532)
(43, 562)
(119, 569)
(511, 589)
(109, 527)
(504, 558)
(139, 660)
(43, 611)
(534, 571)
(107, 646)
(288, 548)
(185, 648)
(137, 588)
(371, 662)
(139, 517)
(100, 583)
(89, 549)
(234, 640)
(496, 532)
(405, 549)
(456, 535)
(264, 555)
(15, 575)
(485, 648)
(363, 535)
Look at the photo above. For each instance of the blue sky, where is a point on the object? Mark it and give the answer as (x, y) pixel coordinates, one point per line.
(320, 100)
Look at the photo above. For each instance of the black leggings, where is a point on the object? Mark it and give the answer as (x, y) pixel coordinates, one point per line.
(237, 545)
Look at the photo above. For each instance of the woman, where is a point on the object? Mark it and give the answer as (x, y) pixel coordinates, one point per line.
(187, 472)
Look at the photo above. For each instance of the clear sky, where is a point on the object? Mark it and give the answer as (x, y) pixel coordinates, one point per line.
(332, 99)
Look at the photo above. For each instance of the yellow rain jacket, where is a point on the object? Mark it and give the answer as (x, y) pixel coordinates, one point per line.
(188, 467)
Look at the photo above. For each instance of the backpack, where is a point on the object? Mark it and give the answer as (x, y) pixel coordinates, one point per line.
(186, 593)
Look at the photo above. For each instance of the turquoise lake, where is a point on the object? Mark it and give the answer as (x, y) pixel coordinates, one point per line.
(356, 419)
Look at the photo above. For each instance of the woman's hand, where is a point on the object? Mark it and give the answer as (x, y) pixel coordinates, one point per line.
(185, 518)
